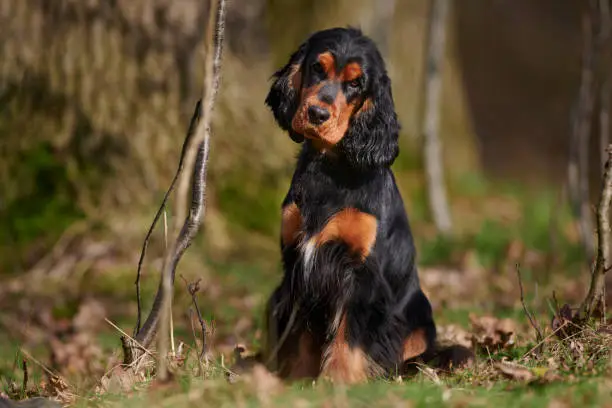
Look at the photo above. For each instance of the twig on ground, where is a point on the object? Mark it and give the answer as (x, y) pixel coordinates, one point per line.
(41, 365)
(530, 316)
(595, 294)
(540, 343)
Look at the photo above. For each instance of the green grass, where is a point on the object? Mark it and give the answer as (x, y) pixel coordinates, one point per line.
(538, 229)
(456, 391)
(256, 209)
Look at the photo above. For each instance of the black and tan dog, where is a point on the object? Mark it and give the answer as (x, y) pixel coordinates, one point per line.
(350, 305)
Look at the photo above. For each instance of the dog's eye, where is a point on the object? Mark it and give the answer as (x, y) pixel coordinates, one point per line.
(317, 68)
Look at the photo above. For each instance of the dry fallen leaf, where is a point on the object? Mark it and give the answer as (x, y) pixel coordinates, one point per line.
(561, 322)
(515, 371)
(78, 353)
(454, 334)
(120, 380)
(430, 374)
(491, 332)
(57, 388)
(528, 375)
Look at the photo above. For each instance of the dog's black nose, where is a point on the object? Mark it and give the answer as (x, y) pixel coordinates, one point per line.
(317, 115)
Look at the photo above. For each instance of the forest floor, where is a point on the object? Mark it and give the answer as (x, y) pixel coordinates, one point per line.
(59, 322)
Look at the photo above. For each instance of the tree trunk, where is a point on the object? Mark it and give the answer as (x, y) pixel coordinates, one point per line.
(434, 167)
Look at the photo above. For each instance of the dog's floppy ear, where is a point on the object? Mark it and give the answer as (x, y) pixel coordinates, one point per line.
(284, 93)
(372, 137)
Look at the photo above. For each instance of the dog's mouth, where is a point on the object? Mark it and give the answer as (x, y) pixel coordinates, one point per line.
(312, 132)
(326, 133)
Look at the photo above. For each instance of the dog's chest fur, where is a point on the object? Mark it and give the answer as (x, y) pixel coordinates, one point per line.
(334, 203)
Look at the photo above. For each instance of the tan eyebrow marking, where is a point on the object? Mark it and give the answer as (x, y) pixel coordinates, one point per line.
(327, 61)
(351, 71)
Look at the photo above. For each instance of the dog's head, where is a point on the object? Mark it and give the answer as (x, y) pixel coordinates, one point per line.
(335, 91)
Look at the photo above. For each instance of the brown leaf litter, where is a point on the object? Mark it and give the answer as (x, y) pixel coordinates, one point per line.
(524, 374)
(489, 332)
(73, 346)
(121, 380)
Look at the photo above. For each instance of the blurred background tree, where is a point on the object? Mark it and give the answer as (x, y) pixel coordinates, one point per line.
(95, 97)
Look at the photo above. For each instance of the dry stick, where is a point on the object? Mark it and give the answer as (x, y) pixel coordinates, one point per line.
(24, 387)
(165, 251)
(195, 156)
(46, 369)
(554, 332)
(195, 342)
(165, 255)
(216, 20)
(192, 127)
(530, 316)
(213, 51)
(124, 334)
(438, 201)
(579, 142)
(193, 289)
(603, 244)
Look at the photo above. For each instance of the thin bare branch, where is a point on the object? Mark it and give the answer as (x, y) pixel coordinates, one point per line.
(24, 386)
(41, 365)
(193, 288)
(165, 252)
(595, 295)
(195, 157)
(192, 126)
(195, 342)
(213, 49)
(128, 337)
(530, 316)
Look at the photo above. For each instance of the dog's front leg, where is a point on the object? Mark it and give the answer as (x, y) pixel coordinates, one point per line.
(342, 361)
